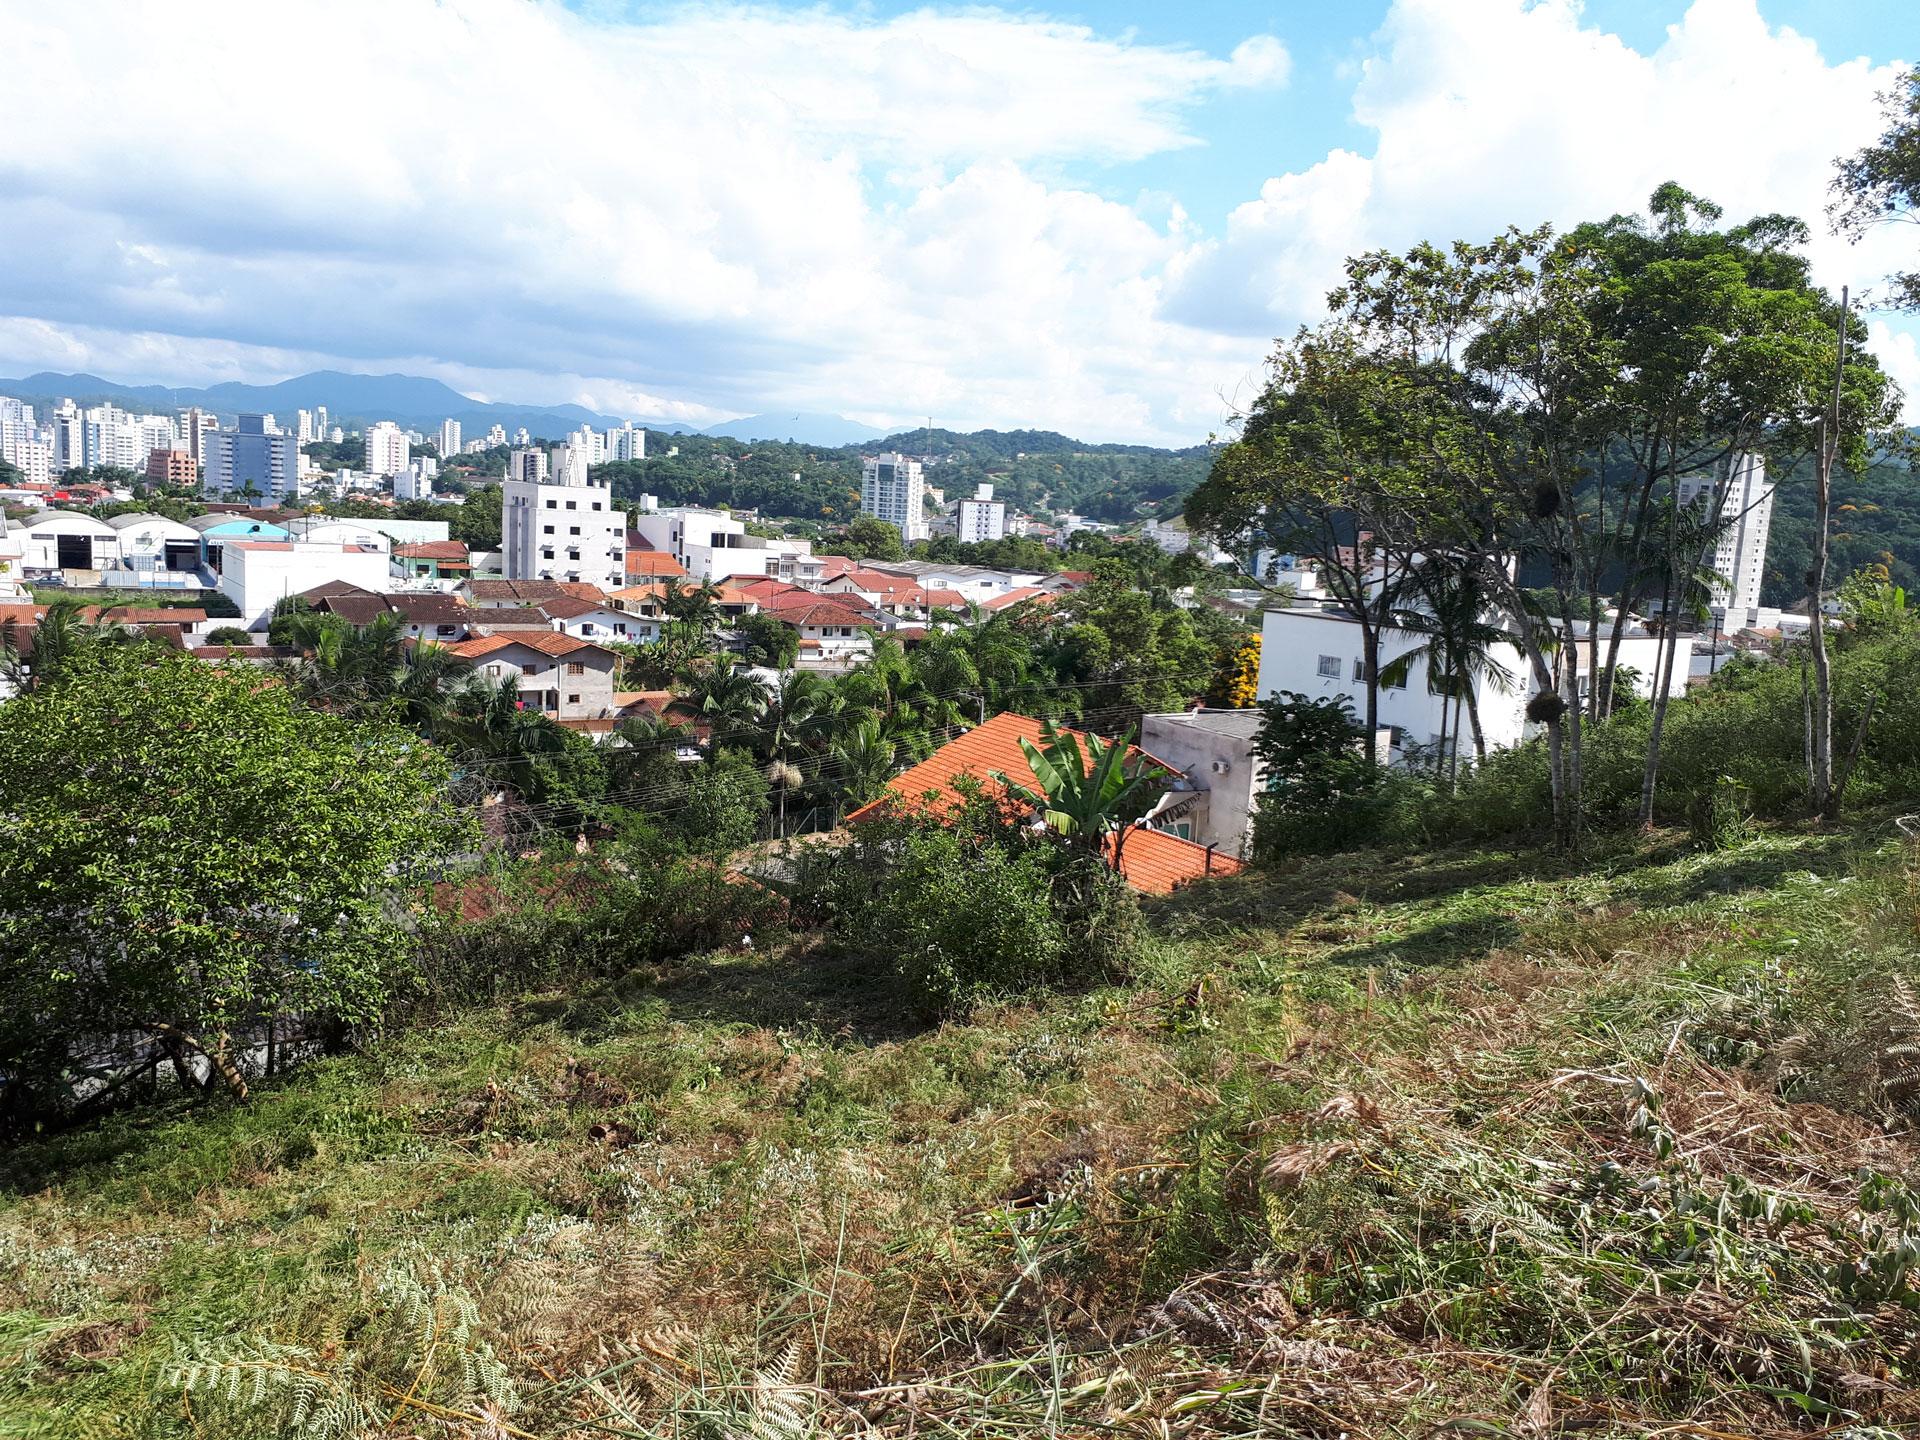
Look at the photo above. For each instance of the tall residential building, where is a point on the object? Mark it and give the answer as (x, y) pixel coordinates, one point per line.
(255, 459)
(69, 437)
(892, 488)
(304, 428)
(629, 442)
(496, 436)
(521, 437)
(414, 483)
(449, 439)
(387, 449)
(322, 426)
(196, 423)
(551, 530)
(981, 518)
(1742, 501)
(528, 466)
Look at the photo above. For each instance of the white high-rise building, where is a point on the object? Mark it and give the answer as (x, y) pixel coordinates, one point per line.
(627, 443)
(980, 518)
(528, 466)
(322, 427)
(449, 439)
(414, 482)
(387, 449)
(1742, 500)
(69, 438)
(195, 425)
(304, 427)
(24, 445)
(892, 488)
(521, 437)
(553, 530)
(496, 436)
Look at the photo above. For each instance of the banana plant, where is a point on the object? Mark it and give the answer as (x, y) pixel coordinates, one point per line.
(1082, 796)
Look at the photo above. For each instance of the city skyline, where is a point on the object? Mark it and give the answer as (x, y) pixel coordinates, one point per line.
(1091, 221)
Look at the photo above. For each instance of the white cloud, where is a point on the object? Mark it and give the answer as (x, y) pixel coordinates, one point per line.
(733, 207)
(1498, 112)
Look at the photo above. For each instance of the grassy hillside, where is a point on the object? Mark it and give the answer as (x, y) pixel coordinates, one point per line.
(1375, 1144)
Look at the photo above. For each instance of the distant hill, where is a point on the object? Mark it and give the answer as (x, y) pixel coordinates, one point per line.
(350, 400)
(828, 431)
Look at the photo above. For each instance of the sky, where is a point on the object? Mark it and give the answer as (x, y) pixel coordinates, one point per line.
(1089, 218)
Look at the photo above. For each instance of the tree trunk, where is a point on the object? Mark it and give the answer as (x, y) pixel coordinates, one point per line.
(1370, 659)
(1825, 798)
(1473, 721)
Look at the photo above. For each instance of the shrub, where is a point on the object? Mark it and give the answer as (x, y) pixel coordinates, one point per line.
(1720, 814)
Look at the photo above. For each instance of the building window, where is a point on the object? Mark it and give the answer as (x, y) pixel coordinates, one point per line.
(573, 554)
(546, 529)
(444, 629)
(573, 529)
(572, 505)
(552, 504)
(596, 504)
(546, 552)
(1359, 669)
(1330, 667)
(619, 629)
(1397, 736)
(576, 667)
(573, 699)
(526, 669)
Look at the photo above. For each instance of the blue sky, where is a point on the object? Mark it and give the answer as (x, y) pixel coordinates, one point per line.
(1091, 218)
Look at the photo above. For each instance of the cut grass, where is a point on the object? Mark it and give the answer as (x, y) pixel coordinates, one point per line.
(1382, 1143)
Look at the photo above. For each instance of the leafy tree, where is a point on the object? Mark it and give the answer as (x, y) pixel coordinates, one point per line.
(191, 852)
(229, 635)
(34, 657)
(727, 802)
(475, 521)
(1881, 182)
(867, 537)
(557, 776)
(1320, 774)
(1236, 683)
(766, 640)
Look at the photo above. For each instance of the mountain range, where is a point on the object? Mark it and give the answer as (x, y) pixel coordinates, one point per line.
(414, 401)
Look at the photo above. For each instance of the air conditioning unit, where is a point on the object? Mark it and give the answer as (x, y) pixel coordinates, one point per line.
(1220, 767)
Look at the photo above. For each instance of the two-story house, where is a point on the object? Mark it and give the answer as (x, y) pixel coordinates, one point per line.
(563, 676)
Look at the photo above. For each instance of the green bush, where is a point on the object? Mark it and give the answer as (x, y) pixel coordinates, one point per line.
(1720, 815)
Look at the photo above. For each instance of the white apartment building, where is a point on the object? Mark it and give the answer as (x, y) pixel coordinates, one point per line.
(388, 450)
(413, 483)
(496, 437)
(1742, 500)
(110, 436)
(711, 544)
(23, 444)
(527, 465)
(571, 461)
(449, 438)
(255, 458)
(1318, 652)
(628, 443)
(980, 518)
(195, 425)
(554, 530)
(69, 438)
(893, 488)
(303, 427)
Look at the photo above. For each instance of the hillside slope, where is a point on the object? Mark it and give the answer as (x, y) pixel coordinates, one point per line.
(1374, 1145)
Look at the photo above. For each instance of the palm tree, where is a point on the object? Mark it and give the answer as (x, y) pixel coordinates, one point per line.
(695, 606)
(1459, 650)
(730, 700)
(32, 656)
(865, 757)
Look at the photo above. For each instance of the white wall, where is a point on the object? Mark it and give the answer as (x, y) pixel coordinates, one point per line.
(257, 576)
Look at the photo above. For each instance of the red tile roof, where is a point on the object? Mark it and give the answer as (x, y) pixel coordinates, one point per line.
(1017, 596)
(1156, 863)
(995, 748)
(821, 612)
(532, 591)
(547, 642)
(432, 550)
(645, 564)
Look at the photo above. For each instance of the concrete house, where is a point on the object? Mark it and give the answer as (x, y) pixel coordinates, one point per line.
(564, 677)
(1221, 780)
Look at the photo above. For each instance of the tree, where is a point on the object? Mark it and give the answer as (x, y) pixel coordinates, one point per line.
(33, 657)
(1880, 183)
(767, 640)
(867, 537)
(1319, 768)
(191, 852)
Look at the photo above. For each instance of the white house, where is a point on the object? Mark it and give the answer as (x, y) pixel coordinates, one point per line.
(979, 583)
(832, 637)
(604, 623)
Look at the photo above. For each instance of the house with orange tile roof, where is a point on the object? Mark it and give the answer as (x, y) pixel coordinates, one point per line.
(644, 564)
(563, 676)
(1154, 862)
(433, 560)
(833, 635)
